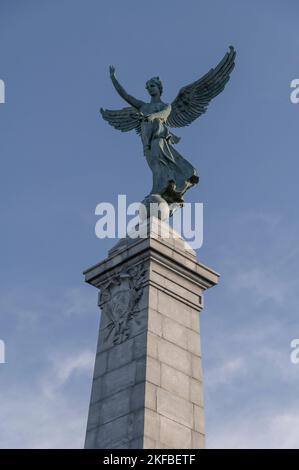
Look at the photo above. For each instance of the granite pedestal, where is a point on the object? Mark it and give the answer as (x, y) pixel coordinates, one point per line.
(147, 389)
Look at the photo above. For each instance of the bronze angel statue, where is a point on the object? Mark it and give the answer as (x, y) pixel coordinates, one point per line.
(172, 173)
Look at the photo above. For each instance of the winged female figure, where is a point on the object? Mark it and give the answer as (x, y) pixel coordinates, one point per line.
(172, 173)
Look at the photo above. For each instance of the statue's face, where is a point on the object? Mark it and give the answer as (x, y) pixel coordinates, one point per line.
(153, 89)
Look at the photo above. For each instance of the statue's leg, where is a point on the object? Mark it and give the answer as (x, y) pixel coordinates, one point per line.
(146, 133)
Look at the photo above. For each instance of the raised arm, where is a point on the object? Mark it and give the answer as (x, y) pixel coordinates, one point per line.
(122, 92)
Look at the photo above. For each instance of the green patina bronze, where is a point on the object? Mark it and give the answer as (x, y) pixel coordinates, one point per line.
(172, 173)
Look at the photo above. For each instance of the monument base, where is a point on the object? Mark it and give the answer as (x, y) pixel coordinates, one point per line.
(147, 389)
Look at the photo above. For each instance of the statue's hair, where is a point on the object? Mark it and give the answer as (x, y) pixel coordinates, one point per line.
(157, 82)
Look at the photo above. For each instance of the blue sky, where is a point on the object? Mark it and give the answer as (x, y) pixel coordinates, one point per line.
(59, 160)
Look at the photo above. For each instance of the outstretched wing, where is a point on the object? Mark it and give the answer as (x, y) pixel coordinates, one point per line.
(124, 120)
(193, 100)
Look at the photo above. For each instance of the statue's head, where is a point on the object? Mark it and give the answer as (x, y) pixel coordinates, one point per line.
(154, 86)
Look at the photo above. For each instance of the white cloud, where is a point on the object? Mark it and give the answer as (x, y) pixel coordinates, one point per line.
(81, 362)
(30, 420)
(80, 301)
(278, 431)
(62, 367)
(41, 414)
(263, 284)
(225, 372)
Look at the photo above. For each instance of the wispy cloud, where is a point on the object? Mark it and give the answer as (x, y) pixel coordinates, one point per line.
(250, 382)
(44, 413)
(225, 372)
(263, 284)
(62, 367)
(275, 431)
(45, 383)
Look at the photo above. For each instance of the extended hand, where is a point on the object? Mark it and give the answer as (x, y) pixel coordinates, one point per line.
(112, 70)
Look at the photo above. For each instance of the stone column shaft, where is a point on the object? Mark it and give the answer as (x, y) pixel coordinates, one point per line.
(147, 389)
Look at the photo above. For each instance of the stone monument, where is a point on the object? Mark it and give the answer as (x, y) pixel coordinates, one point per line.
(147, 389)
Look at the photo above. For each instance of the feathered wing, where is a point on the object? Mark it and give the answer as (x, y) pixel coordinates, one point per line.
(193, 100)
(124, 120)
